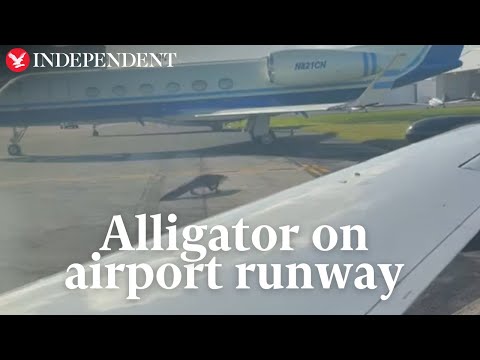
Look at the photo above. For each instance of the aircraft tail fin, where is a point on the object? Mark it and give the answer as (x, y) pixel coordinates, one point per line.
(421, 61)
(409, 64)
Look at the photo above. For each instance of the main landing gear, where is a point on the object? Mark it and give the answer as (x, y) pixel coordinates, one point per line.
(258, 126)
(94, 130)
(14, 148)
(266, 139)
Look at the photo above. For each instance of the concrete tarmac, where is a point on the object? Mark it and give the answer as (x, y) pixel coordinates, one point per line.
(57, 200)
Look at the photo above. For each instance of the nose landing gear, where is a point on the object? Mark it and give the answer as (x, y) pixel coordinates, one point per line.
(14, 148)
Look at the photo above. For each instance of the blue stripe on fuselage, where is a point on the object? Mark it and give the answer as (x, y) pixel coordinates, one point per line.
(210, 96)
(180, 107)
(383, 85)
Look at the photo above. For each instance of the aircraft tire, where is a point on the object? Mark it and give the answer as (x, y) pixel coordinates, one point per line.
(267, 139)
(14, 150)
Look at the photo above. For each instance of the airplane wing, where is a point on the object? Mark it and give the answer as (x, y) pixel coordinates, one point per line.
(374, 94)
(274, 110)
(418, 209)
(458, 101)
(420, 104)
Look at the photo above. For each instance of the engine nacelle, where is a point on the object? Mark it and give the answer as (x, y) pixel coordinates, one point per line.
(322, 67)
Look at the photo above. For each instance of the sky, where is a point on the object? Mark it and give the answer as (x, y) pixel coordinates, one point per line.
(191, 53)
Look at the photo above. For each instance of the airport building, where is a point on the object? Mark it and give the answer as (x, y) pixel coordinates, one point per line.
(461, 82)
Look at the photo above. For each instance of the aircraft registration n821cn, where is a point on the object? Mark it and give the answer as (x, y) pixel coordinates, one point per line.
(213, 93)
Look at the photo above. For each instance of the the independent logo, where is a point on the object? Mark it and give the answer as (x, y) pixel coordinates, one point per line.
(17, 60)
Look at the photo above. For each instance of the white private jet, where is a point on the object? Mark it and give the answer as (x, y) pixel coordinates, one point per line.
(405, 200)
(290, 81)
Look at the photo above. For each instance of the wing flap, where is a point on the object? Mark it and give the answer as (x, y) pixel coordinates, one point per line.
(274, 110)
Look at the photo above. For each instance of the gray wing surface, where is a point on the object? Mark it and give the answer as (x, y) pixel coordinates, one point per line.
(419, 206)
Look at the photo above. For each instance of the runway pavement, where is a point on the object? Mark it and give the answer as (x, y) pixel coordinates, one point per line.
(57, 201)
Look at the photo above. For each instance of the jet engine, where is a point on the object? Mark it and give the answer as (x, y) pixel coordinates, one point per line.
(322, 67)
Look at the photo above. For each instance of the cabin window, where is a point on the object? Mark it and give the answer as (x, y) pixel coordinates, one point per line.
(173, 87)
(92, 92)
(146, 89)
(199, 85)
(225, 84)
(119, 90)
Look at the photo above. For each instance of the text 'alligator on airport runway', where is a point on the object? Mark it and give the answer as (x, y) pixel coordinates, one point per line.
(280, 273)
